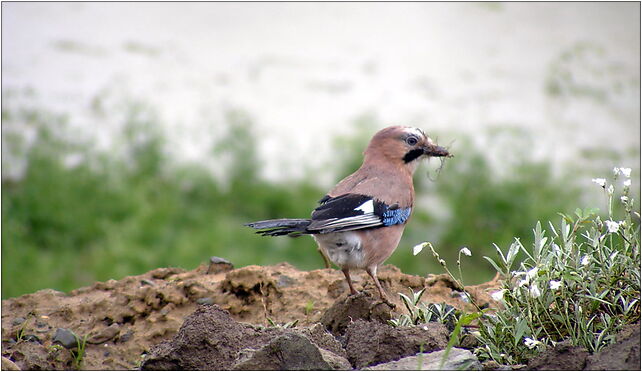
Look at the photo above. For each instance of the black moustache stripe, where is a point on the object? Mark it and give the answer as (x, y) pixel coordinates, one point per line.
(412, 155)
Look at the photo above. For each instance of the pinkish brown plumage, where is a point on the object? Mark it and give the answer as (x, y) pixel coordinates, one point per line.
(361, 220)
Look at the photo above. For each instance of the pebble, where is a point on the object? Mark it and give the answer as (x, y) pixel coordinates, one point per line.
(66, 338)
(18, 321)
(205, 301)
(126, 336)
(218, 265)
(32, 338)
(457, 360)
(105, 335)
(285, 281)
(8, 365)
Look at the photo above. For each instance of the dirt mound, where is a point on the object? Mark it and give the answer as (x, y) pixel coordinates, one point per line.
(371, 343)
(624, 355)
(211, 339)
(121, 320)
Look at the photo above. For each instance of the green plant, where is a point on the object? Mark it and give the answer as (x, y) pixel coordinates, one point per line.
(581, 282)
(443, 313)
(420, 357)
(464, 320)
(309, 306)
(78, 353)
(420, 312)
(20, 333)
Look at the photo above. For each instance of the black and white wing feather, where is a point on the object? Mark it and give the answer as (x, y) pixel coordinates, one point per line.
(341, 213)
(347, 212)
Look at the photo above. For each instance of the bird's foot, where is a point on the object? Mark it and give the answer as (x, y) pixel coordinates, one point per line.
(383, 301)
(387, 302)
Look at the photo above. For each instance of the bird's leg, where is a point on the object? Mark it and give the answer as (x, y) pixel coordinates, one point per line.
(325, 258)
(346, 272)
(372, 271)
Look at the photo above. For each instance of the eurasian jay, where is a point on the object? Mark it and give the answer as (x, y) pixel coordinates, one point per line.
(359, 223)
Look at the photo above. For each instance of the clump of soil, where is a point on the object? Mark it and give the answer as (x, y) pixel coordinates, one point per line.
(211, 339)
(371, 343)
(121, 320)
(624, 355)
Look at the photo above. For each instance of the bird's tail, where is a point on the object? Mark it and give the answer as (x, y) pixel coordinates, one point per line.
(283, 226)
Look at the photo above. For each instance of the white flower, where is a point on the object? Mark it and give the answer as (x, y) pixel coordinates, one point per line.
(610, 189)
(626, 172)
(599, 181)
(532, 273)
(585, 260)
(627, 182)
(624, 198)
(522, 283)
(499, 295)
(466, 251)
(417, 248)
(534, 291)
(555, 284)
(530, 343)
(612, 225)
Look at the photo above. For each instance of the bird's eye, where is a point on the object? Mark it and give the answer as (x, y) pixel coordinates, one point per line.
(412, 140)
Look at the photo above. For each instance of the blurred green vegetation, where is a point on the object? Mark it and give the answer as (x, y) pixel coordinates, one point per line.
(67, 224)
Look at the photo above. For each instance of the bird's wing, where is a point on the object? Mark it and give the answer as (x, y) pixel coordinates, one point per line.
(354, 212)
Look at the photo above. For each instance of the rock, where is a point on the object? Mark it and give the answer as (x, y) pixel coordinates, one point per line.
(285, 281)
(31, 338)
(8, 365)
(18, 321)
(219, 265)
(147, 282)
(359, 306)
(205, 301)
(457, 360)
(469, 341)
(563, 356)
(105, 334)
(287, 352)
(324, 340)
(623, 355)
(336, 362)
(125, 337)
(491, 365)
(66, 338)
(371, 343)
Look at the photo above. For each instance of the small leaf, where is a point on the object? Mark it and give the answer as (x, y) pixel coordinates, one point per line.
(520, 330)
(499, 252)
(578, 213)
(494, 265)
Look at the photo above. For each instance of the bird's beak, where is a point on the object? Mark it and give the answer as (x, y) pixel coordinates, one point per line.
(437, 151)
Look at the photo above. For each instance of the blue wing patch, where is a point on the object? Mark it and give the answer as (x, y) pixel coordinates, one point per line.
(396, 216)
(355, 212)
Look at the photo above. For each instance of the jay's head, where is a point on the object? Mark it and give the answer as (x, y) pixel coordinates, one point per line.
(403, 146)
